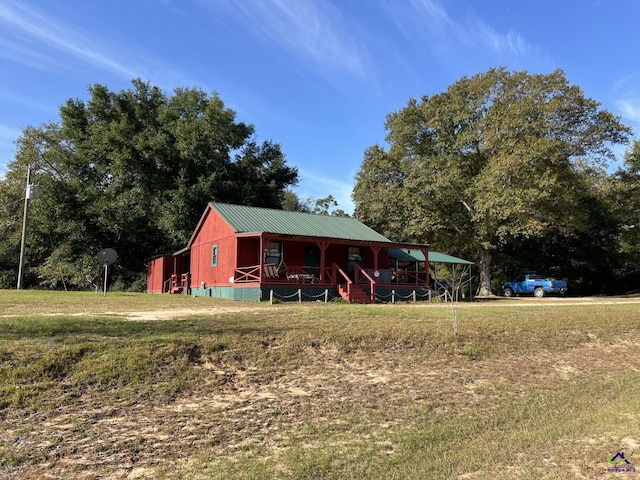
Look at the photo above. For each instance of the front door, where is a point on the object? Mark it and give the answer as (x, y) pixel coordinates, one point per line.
(312, 260)
(354, 257)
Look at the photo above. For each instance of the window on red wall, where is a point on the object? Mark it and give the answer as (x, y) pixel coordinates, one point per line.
(214, 255)
(273, 252)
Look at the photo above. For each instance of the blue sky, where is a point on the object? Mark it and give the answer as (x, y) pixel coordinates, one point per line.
(316, 76)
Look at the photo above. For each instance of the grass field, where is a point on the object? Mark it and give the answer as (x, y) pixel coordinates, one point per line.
(173, 387)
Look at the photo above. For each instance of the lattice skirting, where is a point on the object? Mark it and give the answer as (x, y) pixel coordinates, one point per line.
(292, 293)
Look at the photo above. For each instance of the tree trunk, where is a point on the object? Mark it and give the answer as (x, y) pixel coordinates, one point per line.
(484, 288)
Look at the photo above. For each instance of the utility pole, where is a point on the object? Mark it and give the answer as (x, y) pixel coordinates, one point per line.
(27, 196)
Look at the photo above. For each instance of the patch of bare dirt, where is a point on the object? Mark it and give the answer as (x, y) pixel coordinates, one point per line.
(167, 314)
(246, 407)
(252, 409)
(170, 314)
(183, 313)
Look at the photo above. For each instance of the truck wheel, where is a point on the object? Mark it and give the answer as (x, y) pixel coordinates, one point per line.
(508, 292)
(538, 292)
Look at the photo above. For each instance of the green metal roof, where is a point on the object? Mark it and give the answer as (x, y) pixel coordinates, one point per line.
(257, 220)
(437, 257)
(407, 255)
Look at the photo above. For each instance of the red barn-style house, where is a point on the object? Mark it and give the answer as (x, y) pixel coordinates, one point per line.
(249, 253)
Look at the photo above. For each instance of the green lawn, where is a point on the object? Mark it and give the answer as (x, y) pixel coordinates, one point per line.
(527, 389)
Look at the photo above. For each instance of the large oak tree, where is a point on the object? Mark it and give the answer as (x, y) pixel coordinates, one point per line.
(497, 157)
(132, 170)
(626, 198)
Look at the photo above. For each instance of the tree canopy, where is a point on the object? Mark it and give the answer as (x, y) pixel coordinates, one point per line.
(626, 205)
(498, 158)
(132, 170)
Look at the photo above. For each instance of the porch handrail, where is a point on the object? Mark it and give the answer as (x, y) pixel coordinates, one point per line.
(372, 282)
(337, 269)
(168, 283)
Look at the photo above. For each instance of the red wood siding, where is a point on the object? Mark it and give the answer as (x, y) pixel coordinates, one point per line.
(159, 270)
(248, 252)
(336, 254)
(214, 231)
(179, 264)
(383, 258)
(293, 252)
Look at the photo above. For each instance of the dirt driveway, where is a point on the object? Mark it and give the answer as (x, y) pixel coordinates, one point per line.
(169, 314)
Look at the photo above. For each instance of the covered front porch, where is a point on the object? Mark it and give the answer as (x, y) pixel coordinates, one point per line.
(355, 271)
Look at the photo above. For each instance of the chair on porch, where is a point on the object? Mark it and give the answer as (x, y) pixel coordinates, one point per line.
(271, 270)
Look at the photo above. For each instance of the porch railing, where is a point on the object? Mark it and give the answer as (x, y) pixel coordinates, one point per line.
(372, 283)
(177, 283)
(339, 274)
(284, 274)
(328, 276)
(247, 274)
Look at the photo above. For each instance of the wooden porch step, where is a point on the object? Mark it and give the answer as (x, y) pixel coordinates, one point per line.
(357, 295)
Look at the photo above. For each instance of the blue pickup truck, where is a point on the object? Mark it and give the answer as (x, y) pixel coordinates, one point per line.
(534, 284)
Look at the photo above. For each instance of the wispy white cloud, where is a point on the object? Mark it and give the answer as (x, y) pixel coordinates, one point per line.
(45, 33)
(314, 30)
(628, 93)
(425, 21)
(7, 97)
(625, 81)
(438, 19)
(630, 108)
(26, 54)
(445, 32)
(314, 185)
(509, 43)
(30, 37)
(501, 43)
(8, 135)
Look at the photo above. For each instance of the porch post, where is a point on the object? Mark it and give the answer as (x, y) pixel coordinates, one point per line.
(425, 252)
(376, 253)
(323, 250)
(261, 260)
(397, 272)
